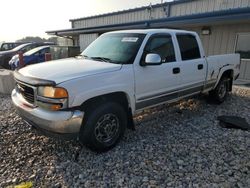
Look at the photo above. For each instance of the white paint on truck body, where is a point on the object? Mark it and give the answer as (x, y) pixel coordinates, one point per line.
(85, 79)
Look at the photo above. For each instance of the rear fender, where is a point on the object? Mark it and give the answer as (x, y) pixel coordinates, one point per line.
(225, 70)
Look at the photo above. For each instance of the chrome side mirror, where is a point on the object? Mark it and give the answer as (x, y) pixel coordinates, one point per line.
(153, 59)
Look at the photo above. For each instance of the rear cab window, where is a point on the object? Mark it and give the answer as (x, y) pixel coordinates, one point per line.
(189, 47)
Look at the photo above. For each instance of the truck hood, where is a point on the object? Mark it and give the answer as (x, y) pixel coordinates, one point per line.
(67, 69)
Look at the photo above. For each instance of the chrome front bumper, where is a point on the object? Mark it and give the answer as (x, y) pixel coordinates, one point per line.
(66, 122)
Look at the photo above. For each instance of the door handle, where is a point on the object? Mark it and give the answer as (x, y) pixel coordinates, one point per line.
(176, 70)
(200, 66)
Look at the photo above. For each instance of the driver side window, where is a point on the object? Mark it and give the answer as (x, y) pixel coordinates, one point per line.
(163, 46)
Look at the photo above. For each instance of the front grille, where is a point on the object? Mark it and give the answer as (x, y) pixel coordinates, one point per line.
(27, 92)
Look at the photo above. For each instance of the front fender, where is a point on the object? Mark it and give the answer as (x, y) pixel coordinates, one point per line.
(83, 97)
(85, 88)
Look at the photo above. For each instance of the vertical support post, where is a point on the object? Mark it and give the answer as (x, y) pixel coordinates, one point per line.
(21, 61)
(47, 56)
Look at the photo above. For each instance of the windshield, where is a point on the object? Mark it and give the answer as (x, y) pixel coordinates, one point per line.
(115, 48)
(34, 50)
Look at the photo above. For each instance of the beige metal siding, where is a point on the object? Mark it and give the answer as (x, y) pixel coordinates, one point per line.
(121, 18)
(222, 38)
(186, 8)
(86, 39)
(180, 9)
(64, 42)
(116, 19)
(202, 6)
(245, 70)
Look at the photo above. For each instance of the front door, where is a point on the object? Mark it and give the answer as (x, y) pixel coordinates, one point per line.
(155, 84)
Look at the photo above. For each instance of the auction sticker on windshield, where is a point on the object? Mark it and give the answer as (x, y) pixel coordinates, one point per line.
(129, 39)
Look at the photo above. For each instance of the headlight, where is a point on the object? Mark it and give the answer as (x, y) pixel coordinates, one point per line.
(52, 92)
(52, 98)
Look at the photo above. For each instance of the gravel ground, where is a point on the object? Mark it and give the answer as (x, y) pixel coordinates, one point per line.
(178, 146)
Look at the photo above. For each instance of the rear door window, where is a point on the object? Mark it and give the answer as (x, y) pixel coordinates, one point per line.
(189, 47)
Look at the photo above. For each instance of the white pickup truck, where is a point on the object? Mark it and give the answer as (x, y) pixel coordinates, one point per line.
(94, 96)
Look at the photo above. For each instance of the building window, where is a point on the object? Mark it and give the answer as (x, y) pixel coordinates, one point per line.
(243, 45)
(188, 46)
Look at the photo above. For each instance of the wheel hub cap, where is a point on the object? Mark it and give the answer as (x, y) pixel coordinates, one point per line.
(106, 128)
(222, 90)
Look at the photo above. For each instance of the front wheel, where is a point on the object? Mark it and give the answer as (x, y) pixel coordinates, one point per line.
(220, 93)
(103, 126)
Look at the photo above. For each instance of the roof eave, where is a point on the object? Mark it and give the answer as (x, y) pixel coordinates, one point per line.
(225, 16)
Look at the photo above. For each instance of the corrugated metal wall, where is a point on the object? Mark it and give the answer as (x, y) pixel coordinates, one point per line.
(64, 42)
(222, 39)
(201, 6)
(121, 18)
(186, 8)
(86, 39)
(245, 70)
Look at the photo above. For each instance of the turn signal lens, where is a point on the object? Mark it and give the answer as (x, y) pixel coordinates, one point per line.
(48, 106)
(53, 92)
(55, 107)
(60, 93)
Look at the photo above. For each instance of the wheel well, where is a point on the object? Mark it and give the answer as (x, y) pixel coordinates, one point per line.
(118, 97)
(229, 74)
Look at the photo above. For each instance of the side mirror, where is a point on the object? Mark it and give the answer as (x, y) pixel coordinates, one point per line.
(153, 59)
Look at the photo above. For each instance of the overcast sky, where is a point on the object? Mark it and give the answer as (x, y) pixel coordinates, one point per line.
(33, 17)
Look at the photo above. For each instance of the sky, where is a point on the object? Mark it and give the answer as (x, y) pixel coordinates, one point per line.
(32, 18)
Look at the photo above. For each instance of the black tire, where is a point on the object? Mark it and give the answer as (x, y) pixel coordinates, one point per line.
(6, 65)
(220, 93)
(103, 126)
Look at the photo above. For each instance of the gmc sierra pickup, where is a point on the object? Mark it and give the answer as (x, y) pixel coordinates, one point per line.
(94, 96)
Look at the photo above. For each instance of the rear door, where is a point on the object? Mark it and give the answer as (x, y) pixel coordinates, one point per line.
(156, 84)
(192, 64)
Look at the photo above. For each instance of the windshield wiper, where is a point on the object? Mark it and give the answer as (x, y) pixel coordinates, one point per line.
(102, 59)
(81, 55)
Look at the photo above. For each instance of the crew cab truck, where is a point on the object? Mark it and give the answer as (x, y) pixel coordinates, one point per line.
(94, 96)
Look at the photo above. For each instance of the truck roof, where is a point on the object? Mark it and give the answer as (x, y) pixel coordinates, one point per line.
(152, 31)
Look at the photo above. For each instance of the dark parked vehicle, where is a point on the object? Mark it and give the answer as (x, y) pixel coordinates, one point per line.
(37, 55)
(10, 45)
(6, 56)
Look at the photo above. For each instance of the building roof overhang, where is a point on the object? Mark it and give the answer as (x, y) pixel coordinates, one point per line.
(230, 16)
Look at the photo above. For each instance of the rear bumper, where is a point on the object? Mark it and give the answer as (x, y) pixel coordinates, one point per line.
(61, 122)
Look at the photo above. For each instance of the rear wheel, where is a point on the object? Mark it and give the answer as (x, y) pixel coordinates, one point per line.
(220, 93)
(103, 126)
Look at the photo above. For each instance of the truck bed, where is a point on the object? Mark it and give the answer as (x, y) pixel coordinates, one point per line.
(216, 63)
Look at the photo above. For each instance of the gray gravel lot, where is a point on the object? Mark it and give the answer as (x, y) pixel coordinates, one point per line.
(178, 146)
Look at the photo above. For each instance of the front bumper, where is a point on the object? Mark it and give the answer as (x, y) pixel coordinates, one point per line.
(62, 122)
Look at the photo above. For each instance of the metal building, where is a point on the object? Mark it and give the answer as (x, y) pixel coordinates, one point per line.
(223, 25)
